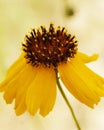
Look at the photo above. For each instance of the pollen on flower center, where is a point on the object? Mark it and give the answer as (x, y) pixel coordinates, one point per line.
(49, 46)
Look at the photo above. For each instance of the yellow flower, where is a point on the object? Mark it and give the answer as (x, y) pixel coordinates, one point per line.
(31, 80)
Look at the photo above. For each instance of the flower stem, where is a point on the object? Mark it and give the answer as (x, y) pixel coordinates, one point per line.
(66, 100)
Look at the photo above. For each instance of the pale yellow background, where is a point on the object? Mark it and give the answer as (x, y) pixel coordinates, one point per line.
(87, 24)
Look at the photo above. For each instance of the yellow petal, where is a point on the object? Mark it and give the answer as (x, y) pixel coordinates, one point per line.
(49, 94)
(23, 83)
(11, 83)
(85, 58)
(13, 71)
(15, 83)
(83, 83)
(42, 92)
(11, 86)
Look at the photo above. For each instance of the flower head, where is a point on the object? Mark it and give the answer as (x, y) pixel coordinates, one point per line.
(31, 80)
(49, 47)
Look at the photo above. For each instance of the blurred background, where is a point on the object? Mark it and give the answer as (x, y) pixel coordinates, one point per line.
(82, 18)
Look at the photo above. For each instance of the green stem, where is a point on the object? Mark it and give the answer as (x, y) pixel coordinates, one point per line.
(66, 100)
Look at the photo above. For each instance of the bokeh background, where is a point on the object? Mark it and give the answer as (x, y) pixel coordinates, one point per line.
(82, 18)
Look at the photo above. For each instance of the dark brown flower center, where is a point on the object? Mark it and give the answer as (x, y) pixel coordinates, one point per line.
(49, 47)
